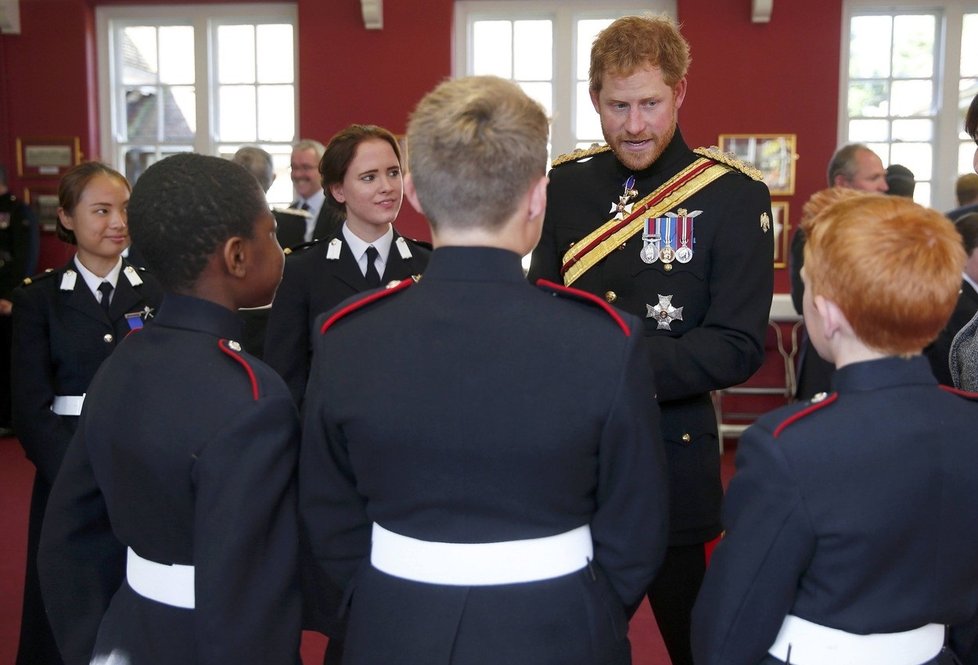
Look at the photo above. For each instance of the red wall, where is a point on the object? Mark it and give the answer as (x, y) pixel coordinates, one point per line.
(746, 78)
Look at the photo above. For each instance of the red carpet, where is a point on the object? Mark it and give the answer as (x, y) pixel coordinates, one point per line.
(16, 476)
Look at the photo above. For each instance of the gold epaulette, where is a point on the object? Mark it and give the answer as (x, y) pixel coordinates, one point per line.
(730, 160)
(30, 280)
(301, 246)
(581, 153)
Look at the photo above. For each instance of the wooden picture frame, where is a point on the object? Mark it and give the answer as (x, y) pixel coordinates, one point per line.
(44, 200)
(47, 157)
(781, 227)
(772, 154)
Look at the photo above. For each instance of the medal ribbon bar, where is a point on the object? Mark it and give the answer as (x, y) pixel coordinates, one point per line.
(586, 253)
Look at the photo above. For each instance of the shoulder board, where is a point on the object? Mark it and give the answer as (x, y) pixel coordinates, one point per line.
(584, 296)
(369, 298)
(30, 280)
(420, 243)
(730, 160)
(581, 153)
(300, 247)
(233, 350)
(959, 392)
(294, 212)
(818, 402)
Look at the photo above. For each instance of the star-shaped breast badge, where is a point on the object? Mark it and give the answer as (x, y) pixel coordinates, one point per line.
(664, 313)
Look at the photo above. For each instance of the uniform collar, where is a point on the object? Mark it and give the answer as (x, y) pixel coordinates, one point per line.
(883, 373)
(477, 264)
(191, 313)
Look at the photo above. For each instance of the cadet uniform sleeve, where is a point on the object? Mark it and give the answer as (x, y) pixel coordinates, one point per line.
(729, 345)
(287, 335)
(80, 561)
(44, 434)
(333, 513)
(246, 538)
(753, 574)
(632, 484)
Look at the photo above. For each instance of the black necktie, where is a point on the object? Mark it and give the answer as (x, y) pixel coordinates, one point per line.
(105, 288)
(373, 277)
(304, 206)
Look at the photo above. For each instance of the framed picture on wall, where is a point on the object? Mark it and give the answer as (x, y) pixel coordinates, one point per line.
(782, 229)
(44, 200)
(47, 157)
(772, 154)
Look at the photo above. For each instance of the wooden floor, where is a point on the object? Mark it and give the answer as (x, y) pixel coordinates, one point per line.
(16, 476)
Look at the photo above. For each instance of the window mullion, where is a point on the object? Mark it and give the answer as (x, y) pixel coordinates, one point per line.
(205, 84)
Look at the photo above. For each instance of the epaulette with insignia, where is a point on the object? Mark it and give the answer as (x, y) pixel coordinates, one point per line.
(233, 350)
(818, 401)
(967, 394)
(580, 153)
(369, 298)
(730, 160)
(300, 247)
(584, 296)
(30, 280)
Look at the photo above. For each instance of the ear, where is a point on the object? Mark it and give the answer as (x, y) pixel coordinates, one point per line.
(832, 319)
(679, 92)
(411, 193)
(595, 100)
(235, 256)
(538, 198)
(336, 189)
(840, 181)
(66, 220)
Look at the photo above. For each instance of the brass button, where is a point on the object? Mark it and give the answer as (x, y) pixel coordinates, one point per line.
(108, 338)
(687, 438)
(611, 296)
(668, 267)
(622, 246)
(234, 346)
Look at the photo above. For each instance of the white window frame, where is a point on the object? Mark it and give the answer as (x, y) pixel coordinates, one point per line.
(950, 14)
(564, 14)
(204, 18)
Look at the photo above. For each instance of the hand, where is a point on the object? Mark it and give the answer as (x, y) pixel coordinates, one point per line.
(5, 307)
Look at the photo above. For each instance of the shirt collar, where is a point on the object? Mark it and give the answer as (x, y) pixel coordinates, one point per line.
(359, 246)
(315, 202)
(92, 280)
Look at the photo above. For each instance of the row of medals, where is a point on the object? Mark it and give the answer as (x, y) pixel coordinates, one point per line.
(652, 249)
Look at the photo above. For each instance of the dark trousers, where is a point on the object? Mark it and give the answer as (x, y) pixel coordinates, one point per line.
(37, 645)
(672, 594)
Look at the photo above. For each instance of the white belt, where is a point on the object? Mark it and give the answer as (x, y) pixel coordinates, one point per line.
(68, 405)
(814, 644)
(481, 564)
(171, 584)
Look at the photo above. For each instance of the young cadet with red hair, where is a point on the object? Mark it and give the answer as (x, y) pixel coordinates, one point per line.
(850, 521)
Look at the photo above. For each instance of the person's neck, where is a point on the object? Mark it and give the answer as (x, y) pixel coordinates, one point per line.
(849, 351)
(366, 232)
(99, 266)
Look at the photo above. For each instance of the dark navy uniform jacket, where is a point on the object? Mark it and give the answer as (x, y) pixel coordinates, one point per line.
(724, 292)
(61, 337)
(499, 411)
(857, 513)
(185, 452)
(313, 284)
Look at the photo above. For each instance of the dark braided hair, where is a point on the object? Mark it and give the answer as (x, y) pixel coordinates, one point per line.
(186, 206)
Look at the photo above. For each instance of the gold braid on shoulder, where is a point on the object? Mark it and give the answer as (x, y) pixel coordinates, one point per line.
(731, 160)
(580, 154)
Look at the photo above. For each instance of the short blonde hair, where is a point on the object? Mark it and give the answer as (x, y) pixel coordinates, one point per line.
(893, 268)
(634, 42)
(476, 143)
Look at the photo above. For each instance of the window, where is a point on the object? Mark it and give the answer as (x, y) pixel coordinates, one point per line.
(906, 85)
(545, 46)
(201, 78)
